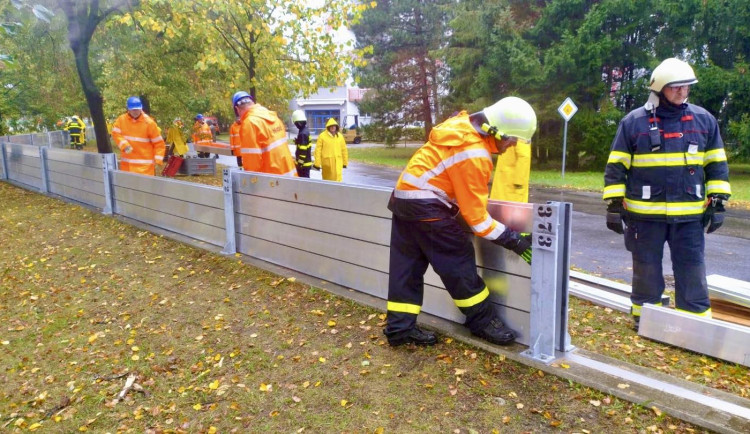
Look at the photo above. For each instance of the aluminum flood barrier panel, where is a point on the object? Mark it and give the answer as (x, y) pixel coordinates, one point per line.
(194, 210)
(76, 175)
(336, 232)
(23, 164)
(341, 233)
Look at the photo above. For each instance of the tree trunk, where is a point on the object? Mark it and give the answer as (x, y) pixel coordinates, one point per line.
(93, 96)
(81, 26)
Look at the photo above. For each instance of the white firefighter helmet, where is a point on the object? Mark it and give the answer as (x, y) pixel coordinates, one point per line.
(671, 72)
(512, 116)
(299, 116)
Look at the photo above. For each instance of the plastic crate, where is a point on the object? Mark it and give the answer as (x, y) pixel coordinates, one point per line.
(198, 166)
(173, 165)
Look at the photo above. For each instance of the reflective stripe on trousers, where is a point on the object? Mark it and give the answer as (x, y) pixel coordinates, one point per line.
(444, 245)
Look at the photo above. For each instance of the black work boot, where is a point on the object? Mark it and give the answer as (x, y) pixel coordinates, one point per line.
(636, 323)
(415, 336)
(496, 332)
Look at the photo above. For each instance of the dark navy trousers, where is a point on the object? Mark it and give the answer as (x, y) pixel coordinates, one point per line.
(645, 240)
(443, 244)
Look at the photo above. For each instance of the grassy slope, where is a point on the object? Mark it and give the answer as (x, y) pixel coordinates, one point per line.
(215, 343)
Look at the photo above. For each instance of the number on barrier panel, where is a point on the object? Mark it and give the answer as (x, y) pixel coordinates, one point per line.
(545, 242)
(545, 227)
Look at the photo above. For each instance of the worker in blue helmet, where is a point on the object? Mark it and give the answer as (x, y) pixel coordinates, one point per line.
(263, 138)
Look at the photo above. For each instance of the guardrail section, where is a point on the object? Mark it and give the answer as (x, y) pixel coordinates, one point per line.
(192, 209)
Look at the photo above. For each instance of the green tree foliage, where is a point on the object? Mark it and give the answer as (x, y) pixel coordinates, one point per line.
(601, 54)
(274, 50)
(403, 71)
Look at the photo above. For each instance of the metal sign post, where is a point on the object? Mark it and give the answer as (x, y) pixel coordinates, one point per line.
(567, 109)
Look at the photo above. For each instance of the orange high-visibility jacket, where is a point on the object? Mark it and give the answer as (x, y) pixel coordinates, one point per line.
(234, 138)
(202, 134)
(452, 168)
(145, 137)
(263, 142)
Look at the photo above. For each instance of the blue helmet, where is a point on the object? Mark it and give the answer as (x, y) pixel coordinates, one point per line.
(134, 103)
(199, 117)
(238, 96)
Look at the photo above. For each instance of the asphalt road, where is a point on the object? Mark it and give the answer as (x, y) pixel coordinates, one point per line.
(596, 249)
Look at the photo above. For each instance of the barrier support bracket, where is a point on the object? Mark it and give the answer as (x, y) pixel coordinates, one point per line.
(230, 246)
(108, 165)
(549, 282)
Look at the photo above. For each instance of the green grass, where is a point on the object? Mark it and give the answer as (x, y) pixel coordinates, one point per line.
(590, 181)
(220, 346)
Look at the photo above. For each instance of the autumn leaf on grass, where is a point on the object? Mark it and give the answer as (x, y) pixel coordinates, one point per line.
(265, 387)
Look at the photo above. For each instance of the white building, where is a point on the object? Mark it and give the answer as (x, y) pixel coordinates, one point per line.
(339, 103)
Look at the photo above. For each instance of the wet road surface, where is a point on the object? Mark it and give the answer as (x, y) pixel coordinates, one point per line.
(595, 249)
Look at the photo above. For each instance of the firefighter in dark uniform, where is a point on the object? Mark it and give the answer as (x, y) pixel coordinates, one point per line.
(666, 179)
(77, 130)
(447, 176)
(303, 154)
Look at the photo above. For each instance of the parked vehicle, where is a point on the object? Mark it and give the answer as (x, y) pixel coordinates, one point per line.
(352, 136)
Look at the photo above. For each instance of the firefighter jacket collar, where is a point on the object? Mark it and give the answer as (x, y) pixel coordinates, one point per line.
(461, 134)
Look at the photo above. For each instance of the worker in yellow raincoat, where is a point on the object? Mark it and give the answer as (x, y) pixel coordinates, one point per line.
(513, 169)
(331, 154)
(176, 138)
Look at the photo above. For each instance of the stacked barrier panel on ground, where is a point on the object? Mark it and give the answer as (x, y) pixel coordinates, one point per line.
(194, 210)
(341, 233)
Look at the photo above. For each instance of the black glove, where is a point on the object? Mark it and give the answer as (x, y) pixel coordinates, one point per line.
(518, 242)
(344, 166)
(615, 212)
(713, 216)
(316, 168)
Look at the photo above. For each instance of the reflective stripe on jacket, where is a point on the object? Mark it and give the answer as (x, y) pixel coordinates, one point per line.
(263, 143)
(303, 153)
(145, 137)
(331, 155)
(234, 138)
(202, 134)
(671, 180)
(449, 174)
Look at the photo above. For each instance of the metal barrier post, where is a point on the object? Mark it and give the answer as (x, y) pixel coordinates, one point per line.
(4, 161)
(230, 246)
(43, 167)
(548, 329)
(108, 165)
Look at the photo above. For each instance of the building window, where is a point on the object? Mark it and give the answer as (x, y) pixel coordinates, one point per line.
(316, 119)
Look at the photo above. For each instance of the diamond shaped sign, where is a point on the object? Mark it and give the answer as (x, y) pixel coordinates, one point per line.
(567, 109)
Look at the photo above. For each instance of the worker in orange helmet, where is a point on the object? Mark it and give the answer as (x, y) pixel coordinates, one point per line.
(263, 138)
(139, 139)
